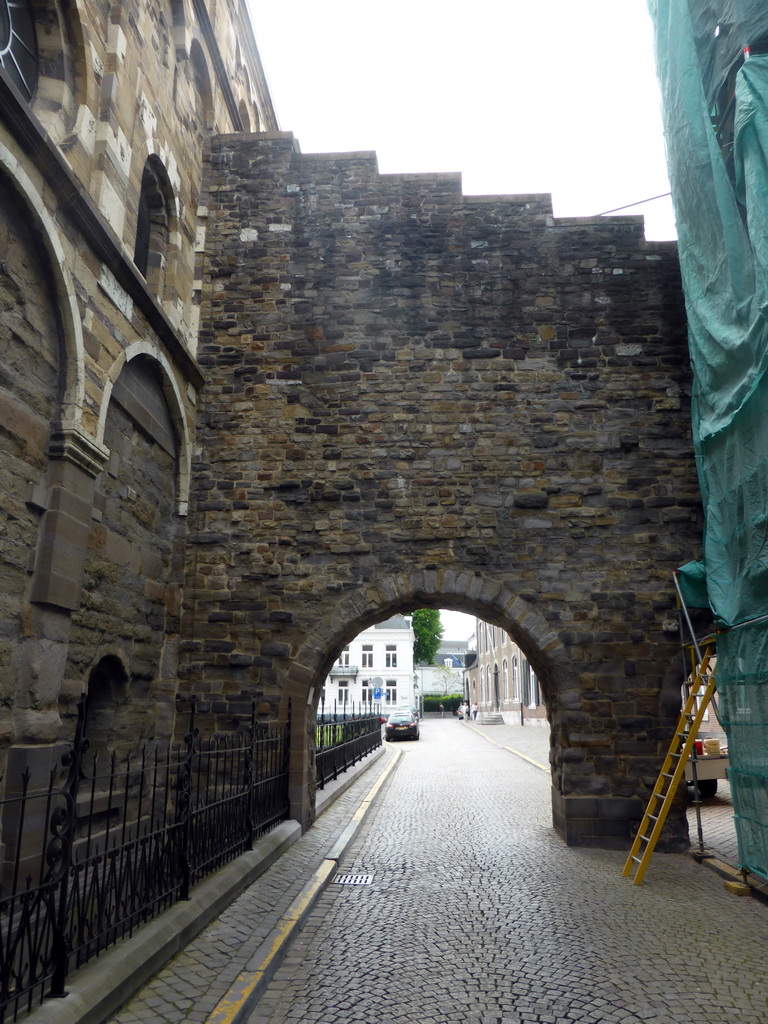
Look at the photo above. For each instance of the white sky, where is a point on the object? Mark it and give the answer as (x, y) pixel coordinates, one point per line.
(457, 625)
(554, 96)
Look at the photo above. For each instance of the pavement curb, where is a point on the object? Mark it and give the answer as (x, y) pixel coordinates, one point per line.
(237, 1004)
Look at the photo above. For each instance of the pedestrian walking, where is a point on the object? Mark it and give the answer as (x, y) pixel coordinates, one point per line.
(442, 710)
(474, 712)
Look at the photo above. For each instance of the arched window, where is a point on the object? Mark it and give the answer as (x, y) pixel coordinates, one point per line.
(43, 52)
(244, 116)
(202, 80)
(505, 678)
(515, 680)
(153, 224)
(482, 685)
(18, 45)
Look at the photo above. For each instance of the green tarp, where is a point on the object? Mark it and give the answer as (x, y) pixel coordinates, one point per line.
(692, 579)
(720, 191)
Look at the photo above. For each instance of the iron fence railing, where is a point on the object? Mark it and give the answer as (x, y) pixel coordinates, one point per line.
(344, 737)
(104, 848)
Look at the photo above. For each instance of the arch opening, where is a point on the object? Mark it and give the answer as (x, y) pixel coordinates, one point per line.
(600, 758)
(203, 90)
(473, 594)
(154, 224)
(506, 614)
(106, 691)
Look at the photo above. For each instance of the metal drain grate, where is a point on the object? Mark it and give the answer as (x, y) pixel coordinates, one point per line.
(353, 879)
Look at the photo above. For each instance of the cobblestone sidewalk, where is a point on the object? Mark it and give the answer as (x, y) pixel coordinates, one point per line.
(717, 823)
(190, 987)
(476, 913)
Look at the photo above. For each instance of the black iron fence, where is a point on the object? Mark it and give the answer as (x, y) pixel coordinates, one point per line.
(103, 848)
(345, 735)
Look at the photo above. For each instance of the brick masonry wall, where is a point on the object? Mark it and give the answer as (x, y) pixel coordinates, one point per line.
(419, 398)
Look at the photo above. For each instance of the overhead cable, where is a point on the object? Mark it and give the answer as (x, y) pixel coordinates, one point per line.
(630, 205)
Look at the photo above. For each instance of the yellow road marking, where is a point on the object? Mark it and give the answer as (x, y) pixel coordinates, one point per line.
(229, 1006)
(246, 981)
(373, 792)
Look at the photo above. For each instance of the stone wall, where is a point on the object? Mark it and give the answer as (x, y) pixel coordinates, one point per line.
(96, 488)
(30, 362)
(130, 606)
(416, 398)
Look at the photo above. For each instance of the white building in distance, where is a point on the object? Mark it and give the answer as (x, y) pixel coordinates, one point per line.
(446, 674)
(376, 668)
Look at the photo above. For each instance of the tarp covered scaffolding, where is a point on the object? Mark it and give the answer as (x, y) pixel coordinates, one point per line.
(716, 114)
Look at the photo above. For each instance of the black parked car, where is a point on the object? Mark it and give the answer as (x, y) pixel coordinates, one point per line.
(401, 725)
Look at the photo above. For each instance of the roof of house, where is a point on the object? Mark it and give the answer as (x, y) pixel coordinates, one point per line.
(394, 622)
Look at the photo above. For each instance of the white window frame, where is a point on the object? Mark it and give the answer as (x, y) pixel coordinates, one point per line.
(534, 690)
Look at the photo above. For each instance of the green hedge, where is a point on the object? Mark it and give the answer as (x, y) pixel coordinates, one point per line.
(432, 702)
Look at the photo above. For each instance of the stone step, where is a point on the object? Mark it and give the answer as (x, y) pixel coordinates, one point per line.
(490, 718)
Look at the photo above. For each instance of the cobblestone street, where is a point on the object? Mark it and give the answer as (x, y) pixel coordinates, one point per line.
(478, 912)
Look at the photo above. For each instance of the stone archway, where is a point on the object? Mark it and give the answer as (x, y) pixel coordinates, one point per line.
(416, 398)
(470, 592)
(489, 599)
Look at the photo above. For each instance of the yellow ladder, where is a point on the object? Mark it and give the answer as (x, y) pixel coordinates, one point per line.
(699, 695)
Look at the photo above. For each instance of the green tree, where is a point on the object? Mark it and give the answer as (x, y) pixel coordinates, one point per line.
(428, 632)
